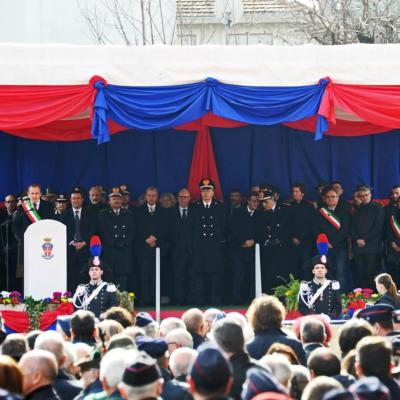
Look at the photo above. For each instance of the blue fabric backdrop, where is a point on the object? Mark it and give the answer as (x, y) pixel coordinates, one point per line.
(245, 156)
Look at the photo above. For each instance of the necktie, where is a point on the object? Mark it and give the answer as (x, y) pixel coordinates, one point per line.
(35, 205)
(184, 213)
(151, 210)
(116, 212)
(207, 206)
(77, 234)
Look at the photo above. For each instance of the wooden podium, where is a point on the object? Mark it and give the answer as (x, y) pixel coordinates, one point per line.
(45, 259)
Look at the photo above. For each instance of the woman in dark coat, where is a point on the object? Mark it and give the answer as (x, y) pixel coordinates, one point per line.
(387, 288)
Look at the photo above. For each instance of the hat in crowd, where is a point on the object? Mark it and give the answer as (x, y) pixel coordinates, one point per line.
(339, 394)
(91, 361)
(259, 380)
(265, 194)
(64, 322)
(76, 190)
(206, 184)
(142, 372)
(50, 192)
(370, 388)
(120, 340)
(376, 313)
(61, 198)
(143, 319)
(124, 189)
(154, 347)
(210, 371)
(115, 192)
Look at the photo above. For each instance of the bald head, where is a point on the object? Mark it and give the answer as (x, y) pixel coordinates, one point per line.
(181, 361)
(53, 342)
(194, 320)
(39, 368)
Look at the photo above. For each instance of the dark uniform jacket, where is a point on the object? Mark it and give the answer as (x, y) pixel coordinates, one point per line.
(241, 227)
(66, 387)
(105, 299)
(43, 393)
(272, 227)
(329, 302)
(336, 237)
(116, 233)
(264, 340)
(21, 220)
(388, 299)
(208, 234)
(146, 225)
(181, 233)
(240, 363)
(367, 224)
(302, 215)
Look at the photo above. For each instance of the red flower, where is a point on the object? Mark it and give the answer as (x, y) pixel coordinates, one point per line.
(14, 300)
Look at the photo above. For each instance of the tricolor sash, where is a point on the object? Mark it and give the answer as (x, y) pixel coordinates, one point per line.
(394, 224)
(330, 217)
(30, 210)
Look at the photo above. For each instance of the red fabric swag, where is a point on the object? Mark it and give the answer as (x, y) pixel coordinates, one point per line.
(18, 321)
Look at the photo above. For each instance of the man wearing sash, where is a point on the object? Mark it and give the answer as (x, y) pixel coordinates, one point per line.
(31, 210)
(334, 222)
(96, 296)
(320, 295)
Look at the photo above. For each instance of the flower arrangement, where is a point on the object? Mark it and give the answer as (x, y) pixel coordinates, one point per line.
(11, 298)
(289, 292)
(58, 298)
(126, 300)
(358, 299)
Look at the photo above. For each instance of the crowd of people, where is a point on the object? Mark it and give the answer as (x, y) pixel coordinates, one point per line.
(210, 355)
(209, 244)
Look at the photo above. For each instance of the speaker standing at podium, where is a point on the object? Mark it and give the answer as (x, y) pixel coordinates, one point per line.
(32, 209)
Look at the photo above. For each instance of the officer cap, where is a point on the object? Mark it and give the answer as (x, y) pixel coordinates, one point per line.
(142, 372)
(376, 313)
(61, 198)
(143, 319)
(265, 194)
(370, 387)
(77, 190)
(259, 380)
(115, 192)
(211, 370)
(206, 183)
(124, 189)
(154, 347)
(91, 263)
(64, 322)
(319, 259)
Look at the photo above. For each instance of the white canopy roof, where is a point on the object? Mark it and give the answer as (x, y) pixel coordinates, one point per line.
(170, 65)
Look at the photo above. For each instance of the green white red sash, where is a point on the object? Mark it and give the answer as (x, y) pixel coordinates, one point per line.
(394, 224)
(330, 217)
(30, 210)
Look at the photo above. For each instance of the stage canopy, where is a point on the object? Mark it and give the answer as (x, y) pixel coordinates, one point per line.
(74, 93)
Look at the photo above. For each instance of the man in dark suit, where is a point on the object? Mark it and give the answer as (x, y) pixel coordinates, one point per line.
(116, 229)
(366, 236)
(240, 236)
(208, 238)
(181, 245)
(334, 220)
(151, 232)
(96, 203)
(32, 209)
(81, 225)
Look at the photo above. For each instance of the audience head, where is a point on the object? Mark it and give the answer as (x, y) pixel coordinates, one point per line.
(119, 314)
(323, 362)
(181, 361)
(15, 345)
(121, 340)
(169, 324)
(209, 317)
(179, 338)
(318, 387)
(266, 312)
(312, 330)
(109, 328)
(285, 350)
(211, 374)
(352, 332)
(279, 366)
(229, 336)
(142, 379)
(373, 357)
(83, 325)
(298, 381)
(194, 321)
(348, 365)
(380, 316)
(10, 375)
(53, 342)
(31, 338)
(39, 368)
(370, 388)
(326, 322)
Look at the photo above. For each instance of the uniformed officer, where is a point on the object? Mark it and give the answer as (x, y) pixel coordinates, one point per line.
(273, 233)
(116, 229)
(320, 295)
(96, 296)
(208, 226)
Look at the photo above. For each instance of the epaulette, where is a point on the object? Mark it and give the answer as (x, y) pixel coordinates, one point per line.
(335, 285)
(304, 286)
(111, 288)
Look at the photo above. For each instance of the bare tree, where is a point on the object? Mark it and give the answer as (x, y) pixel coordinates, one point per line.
(332, 22)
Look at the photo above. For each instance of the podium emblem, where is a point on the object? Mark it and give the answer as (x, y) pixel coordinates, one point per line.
(47, 247)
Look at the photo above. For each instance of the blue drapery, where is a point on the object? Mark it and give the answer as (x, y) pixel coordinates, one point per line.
(245, 156)
(166, 107)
